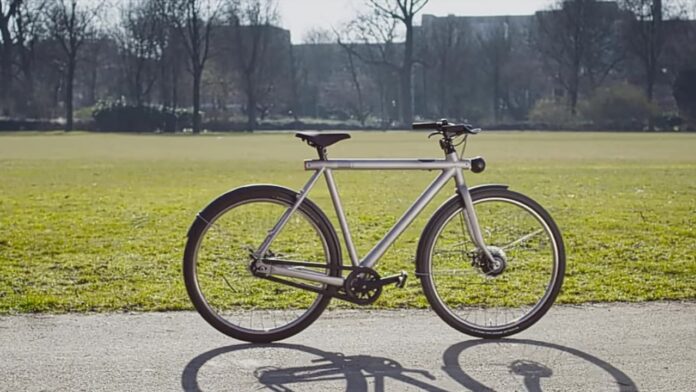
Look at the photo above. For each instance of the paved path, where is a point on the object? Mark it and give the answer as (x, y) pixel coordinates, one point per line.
(648, 347)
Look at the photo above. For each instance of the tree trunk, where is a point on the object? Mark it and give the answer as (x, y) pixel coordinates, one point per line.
(573, 101)
(27, 65)
(69, 95)
(5, 69)
(93, 78)
(251, 109)
(175, 88)
(442, 82)
(655, 44)
(406, 77)
(31, 107)
(574, 87)
(136, 91)
(406, 97)
(382, 106)
(496, 92)
(650, 84)
(164, 87)
(197, 74)
(294, 86)
(425, 110)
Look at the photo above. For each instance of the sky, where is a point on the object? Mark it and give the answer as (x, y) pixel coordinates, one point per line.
(301, 16)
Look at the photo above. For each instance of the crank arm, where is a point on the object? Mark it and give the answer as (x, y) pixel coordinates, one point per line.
(399, 280)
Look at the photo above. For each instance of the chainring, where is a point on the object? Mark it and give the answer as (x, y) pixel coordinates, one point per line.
(359, 288)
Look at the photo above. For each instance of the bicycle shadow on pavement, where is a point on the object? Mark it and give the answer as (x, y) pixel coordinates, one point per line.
(328, 369)
(523, 364)
(476, 365)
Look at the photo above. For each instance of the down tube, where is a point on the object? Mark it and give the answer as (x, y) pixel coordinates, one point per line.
(402, 224)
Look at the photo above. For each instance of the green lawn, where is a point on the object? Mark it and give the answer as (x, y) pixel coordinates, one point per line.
(94, 222)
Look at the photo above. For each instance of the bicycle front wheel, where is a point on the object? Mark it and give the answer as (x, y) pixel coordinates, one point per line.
(219, 252)
(484, 298)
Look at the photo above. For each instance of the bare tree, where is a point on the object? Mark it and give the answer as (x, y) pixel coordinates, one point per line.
(359, 108)
(28, 31)
(318, 36)
(646, 34)
(496, 50)
(169, 49)
(194, 20)
(372, 39)
(139, 39)
(446, 53)
(403, 11)
(296, 82)
(311, 69)
(95, 56)
(252, 20)
(687, 36)
(7, 13)
(308, 70)
(685, 94)
(71, 26)
(578, 42)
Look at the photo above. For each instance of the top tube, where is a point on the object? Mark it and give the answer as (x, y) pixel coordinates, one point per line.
(389, 164)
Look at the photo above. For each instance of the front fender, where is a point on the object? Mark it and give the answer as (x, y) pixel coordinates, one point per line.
(484, 187)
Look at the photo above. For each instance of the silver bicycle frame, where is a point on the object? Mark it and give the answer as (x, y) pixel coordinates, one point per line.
(452, 167)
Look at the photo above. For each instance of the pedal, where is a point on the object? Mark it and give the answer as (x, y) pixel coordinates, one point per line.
(402, 280)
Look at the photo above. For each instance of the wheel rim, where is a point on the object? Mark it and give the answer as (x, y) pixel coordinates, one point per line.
(223, 281)
(485, 301)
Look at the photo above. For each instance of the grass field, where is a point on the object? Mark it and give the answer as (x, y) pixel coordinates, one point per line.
(94, 222)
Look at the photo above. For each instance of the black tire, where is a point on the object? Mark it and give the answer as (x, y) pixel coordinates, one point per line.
(214, 257)
(537, 253)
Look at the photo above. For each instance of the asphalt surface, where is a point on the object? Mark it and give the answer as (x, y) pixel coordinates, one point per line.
(619, 347)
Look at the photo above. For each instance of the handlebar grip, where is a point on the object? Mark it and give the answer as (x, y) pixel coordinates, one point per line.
(425, 126)
(461, 129)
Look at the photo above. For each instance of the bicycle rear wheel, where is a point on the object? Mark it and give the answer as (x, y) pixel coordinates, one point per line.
(218, 255)
(500, 298)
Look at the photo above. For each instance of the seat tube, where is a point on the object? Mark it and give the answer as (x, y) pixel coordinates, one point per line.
(331, 184)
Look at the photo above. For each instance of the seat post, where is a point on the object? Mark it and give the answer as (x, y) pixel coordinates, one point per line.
(322, 152)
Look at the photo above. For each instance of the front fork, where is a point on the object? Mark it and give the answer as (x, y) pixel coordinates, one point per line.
(472, 224)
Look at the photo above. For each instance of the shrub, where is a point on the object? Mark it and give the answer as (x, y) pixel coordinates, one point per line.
(668, 122)
(10, 124)
(551, 114)
(685, 94)
(120, 117)
(621, 106)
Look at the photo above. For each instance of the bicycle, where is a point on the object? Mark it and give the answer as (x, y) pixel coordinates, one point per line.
(490, 261)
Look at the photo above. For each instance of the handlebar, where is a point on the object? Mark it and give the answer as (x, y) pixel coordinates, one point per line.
(444, 127)
(426, 126)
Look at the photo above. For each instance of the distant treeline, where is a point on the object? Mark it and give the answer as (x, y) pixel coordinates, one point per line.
(174, 65)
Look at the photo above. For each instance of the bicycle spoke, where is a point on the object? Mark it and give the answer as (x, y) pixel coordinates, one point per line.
(228, 284)
(453, 272)
(522, 239)
(219, 229)
(449, 252)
